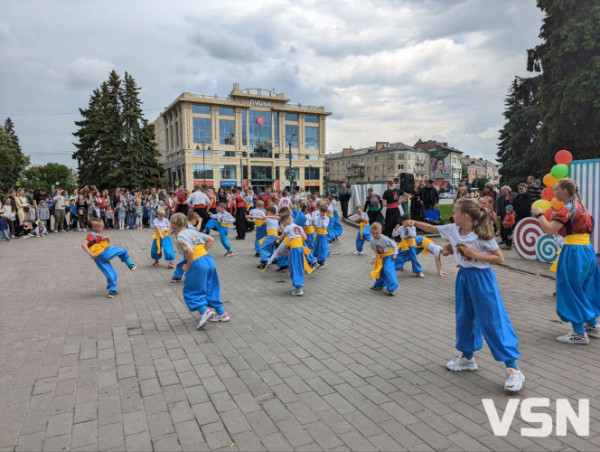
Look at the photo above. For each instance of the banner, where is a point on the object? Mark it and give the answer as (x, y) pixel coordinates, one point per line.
(441, 165)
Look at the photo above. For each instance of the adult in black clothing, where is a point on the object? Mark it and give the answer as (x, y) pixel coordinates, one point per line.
(429, 196)
(344, 196)
(522, 203)
(416, 209)
(391, 199)
(240, 214)
(373, 206)
(534, 189)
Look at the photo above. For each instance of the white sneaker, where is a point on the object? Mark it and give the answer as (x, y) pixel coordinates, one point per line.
(297, 292)
(220, 318)
(205, 317)
(420, 275)
(514, 380)
(356, 253)
(458, 364)
(574, 338)
(593, 331)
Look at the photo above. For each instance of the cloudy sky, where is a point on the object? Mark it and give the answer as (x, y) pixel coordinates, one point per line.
(389, 70)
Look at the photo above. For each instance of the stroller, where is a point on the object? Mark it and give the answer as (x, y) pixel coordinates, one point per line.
(432, 216)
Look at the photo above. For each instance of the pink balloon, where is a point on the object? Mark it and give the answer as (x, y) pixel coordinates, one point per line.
(563, 156)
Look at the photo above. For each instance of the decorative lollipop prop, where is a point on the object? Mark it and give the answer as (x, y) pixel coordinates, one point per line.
(546, 249)
(525, 236)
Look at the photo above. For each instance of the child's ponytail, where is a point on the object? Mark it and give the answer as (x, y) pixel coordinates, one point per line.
(482, 221)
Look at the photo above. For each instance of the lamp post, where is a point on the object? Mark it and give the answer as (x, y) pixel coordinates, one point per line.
(203, 157)
(291, 169)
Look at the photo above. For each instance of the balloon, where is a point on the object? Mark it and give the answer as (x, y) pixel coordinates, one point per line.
(548, 214)
(549, 181)
(559, 171)
(543, 204)
(556, 204)
(547, 193)
(563, 157)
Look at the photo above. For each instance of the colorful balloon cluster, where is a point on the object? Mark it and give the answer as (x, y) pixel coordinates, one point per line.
(549, 204)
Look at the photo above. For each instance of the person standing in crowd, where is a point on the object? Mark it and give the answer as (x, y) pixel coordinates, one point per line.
(10, 214)
(373, 206)
(240, 214)
(533, 188)
(416, 207)
(344, 196)
(200, 203)
(522, 203)
(506, 197)
(488, 190)
(21, 203)
(577, 273)
(182, 196)
(429, 196)
(59, 211)
(391, 199)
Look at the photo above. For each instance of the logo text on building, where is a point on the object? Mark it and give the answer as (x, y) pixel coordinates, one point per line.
(260, 103)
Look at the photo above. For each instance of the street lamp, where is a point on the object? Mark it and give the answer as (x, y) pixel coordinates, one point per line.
(291, 169)
(203, 155)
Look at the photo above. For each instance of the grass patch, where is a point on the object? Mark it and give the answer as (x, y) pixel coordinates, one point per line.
(445, 212)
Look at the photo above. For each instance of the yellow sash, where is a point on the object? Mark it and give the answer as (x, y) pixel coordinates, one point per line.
(156, 236)
(322, 231)
(425, 244)
(225, 225)
(405, 243)
(573, 239)
(97, 248)
(361, 226)
(199, 251)
(259, 223)
(269, 232)
(309, 229)
(375, 274)
(298, 243)
(329, 214)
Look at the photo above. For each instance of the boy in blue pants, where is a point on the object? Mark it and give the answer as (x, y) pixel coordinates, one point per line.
(364, 230)
(386, 252)
(195, 223)
(221, 221)
(407, 246)
(99, 249)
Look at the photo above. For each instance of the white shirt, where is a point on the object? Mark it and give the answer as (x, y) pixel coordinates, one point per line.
(223, 217)
(384, 243)
(285, 202)
(321, 221)
(198, 198)
(257, 213)
(293, 231)
(162, 224)
(189, 238)
(8, 212)
(271, 224)
(450, 232)
(405, 233)
(356, 217)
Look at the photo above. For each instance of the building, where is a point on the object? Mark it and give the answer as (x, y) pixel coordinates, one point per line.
(478, 168)
(374, 164)
(240, 140)
(445, 163)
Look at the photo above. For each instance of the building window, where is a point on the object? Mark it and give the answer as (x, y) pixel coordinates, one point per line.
(226, 111)
(200, 153)
(227, 154)
(262, 173)
(226, 131)
(400, 166)
(260, 134)
(276, 128)
(227, 172)
(311, 137)
(244, 127)
(203, 171)
(292, 117)
(201, 109)
(177, 133)
(201, 130)
(311, 173)
(316, 157)
(313, 119)
(291, 134)
(295, 172)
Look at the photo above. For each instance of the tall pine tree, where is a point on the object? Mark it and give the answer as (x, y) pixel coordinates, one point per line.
(11, 157)
(115, 148)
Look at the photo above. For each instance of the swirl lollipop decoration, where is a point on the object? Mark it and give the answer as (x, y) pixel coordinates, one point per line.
(525, 236)
(546, 249)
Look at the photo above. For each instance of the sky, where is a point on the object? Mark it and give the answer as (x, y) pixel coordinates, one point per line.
(388, 70)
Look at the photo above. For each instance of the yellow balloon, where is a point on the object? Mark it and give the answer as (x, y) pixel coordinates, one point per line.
(556, 204)
(542, 204)
(549, 180)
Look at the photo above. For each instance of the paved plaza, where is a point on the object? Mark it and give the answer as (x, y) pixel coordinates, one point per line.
(342, 368)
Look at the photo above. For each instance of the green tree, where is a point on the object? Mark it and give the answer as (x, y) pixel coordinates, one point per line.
(12, 159)
(46, 176)
(116, 145)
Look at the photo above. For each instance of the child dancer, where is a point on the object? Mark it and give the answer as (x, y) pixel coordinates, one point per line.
(256, 216)
(407, 232)
(334, 229)
(321, 221)
(296, 237)
(195, 223)
(161, 242)
(99, 249)
(479, 307)
(221, 221)
(425, 245)
(201, 288)
(268, 242)
(364, 230)
(386, 252)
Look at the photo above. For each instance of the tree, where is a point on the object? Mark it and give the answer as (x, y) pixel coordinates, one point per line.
(569, 88)
(46, 176)
(11, 157)
(116, 145)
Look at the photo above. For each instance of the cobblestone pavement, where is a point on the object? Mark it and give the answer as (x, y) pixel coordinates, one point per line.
(340, 368)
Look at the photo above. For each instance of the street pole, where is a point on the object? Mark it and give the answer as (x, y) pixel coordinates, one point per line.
(291, 169)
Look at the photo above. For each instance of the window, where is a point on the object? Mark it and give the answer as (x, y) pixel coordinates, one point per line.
(227, 172)
(311, 137)
(201, 130)
(276, 128)
(291, 134)
(201, 153)
(203, 172)
(244, 127)
(227, 154)
(226, 111)
(264, 173)
(316, 157)
(177, 133)
(260, 134)
(226, 131)
(276, 172)
(201, 109)
(311, 173)
(293, 117)
(295, 172)
(311, 118)
(400, 166)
